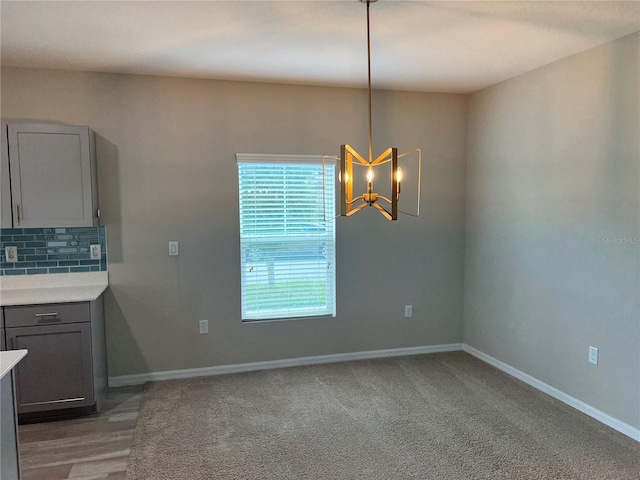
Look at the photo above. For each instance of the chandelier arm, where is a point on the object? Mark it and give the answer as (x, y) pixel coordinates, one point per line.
(360, 158)
(381, 197)
(357, 209)
(361, 197)
(409, 152)
(383, 156)
(383, 211)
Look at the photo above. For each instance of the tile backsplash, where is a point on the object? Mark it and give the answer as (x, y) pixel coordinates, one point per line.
(52, 250)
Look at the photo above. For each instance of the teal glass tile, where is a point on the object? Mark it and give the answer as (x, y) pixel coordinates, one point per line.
(23, 238)
(20, 271)
(79, 269)
(36, 271)
(35, 244)
(53, 250)
(25, 264)
(47, 264)
(68, 263)
(56, 244)
(89, 262)
(59, 270)
(35, 258)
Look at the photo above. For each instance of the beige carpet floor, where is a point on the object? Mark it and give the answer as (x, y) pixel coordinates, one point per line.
(441, 416)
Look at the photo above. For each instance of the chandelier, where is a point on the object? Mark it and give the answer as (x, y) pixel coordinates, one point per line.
(349, 157)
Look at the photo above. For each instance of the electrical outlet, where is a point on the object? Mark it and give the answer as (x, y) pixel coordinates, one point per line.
(593, 355)
(11, 254)
(408, 311)
(95, 252)
(173, 249)
(204, 326)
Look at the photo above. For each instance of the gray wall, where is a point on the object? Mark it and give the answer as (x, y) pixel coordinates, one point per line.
(552, 254)
(167, 171)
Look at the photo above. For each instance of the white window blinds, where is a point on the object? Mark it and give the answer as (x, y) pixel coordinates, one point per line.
(287, 248)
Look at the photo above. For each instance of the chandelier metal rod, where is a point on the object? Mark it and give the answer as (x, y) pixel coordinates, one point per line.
(369, 85)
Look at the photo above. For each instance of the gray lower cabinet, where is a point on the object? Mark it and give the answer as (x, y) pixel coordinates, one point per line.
(2, 343)
(9, 460)
(66, 365)
(57, 372)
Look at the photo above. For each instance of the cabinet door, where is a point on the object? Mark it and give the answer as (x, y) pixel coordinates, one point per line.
(5, 182)
(51, 177)
(57, 373)
(9, 466)
(2, 338)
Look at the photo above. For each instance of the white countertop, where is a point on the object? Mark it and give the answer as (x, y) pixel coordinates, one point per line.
(10, 359)
(54, 288)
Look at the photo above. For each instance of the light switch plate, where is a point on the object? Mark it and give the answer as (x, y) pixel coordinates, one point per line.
(95, 252)
(593, 355)
(11, 254)
(173, 249)
(204, 326)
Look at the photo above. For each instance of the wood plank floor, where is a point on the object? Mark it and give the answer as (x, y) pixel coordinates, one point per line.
(89, 448)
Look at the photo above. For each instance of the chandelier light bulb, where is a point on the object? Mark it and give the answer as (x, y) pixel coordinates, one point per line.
(370, 175)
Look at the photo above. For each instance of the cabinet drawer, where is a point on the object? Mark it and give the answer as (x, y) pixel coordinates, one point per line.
(46, 314)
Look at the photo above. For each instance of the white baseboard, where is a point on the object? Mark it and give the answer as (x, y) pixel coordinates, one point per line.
(139, 379)
(557, 394)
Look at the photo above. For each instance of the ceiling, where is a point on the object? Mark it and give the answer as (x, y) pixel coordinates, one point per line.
(437, 46)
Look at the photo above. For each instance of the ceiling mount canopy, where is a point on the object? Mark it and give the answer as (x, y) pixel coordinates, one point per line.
(349, 157)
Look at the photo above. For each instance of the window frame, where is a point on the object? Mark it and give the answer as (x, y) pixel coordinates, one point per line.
(289, 312)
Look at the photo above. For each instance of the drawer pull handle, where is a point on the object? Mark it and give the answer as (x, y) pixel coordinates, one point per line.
(48, 317)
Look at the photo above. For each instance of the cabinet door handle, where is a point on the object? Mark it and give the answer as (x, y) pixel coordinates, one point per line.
(48, 317)
(18, 213)
(10, 342)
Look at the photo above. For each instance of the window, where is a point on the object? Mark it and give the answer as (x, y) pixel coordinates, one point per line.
(287, 248)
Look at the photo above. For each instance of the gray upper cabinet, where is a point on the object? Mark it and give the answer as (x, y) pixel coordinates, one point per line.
(5, 182)
(53, 180)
